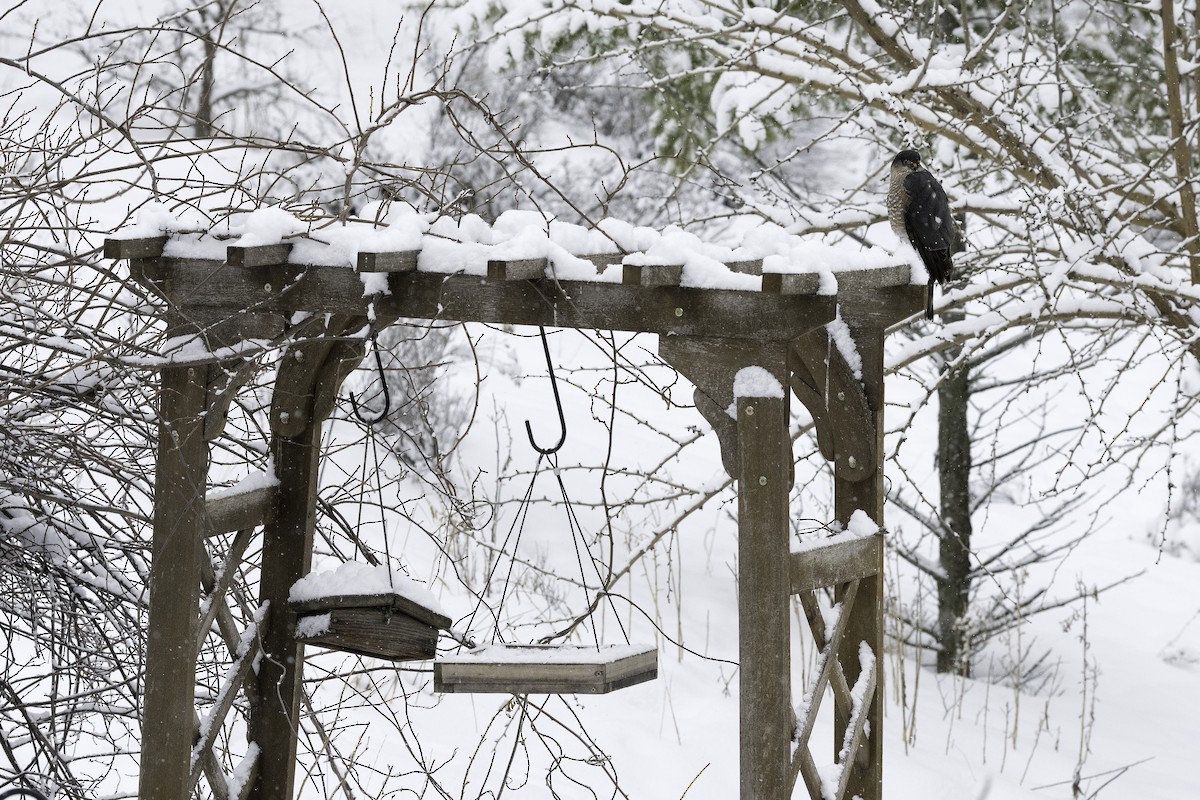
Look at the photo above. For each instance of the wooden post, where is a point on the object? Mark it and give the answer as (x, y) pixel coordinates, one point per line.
(179, 526)
(866, 625)
(286, 557)
(764, 642)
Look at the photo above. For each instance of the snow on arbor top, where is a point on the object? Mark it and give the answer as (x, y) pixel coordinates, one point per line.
(466, 244)
(354, 579)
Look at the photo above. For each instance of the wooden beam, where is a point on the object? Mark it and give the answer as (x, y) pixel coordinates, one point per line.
(405, 261)
(262, 255)
(149, 247)
(236, 512)
(179, 524)
(650, 275)
(469, 298)
(791, 282)
(878, 278)
(842, 561)
(521, 269)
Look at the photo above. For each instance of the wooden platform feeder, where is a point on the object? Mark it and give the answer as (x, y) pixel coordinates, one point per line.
(546, 669)
(387, 626)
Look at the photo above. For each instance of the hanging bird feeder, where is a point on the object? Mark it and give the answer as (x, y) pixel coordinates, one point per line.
(390, 617)
(546, 669)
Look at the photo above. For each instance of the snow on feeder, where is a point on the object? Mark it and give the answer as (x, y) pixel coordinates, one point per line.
(367, 610)
(546, 669)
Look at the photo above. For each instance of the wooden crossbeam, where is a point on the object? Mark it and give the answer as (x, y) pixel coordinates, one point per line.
(672, 311)
(846, 558)
(238, 512)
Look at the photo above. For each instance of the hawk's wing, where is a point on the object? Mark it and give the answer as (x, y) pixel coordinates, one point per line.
(929, 225)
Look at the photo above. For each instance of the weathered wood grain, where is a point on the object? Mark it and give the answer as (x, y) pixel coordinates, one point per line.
(242, 511)
(791, 282)
(671, 311)
(835, 564)
(404, 261)
(651, 275)
(523, 269)
(151, 247)
(261, 255)
(379, 631)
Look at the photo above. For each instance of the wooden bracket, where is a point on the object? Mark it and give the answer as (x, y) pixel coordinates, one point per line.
(311, 371)
(711, 365)
(825, 384)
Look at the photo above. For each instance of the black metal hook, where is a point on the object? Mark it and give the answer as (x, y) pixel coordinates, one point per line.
(562, 421)
(387, 397)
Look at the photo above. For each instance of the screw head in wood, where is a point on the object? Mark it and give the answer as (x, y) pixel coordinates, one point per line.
(679, 312)
(267, 288)
(749, 411)
(762, 480)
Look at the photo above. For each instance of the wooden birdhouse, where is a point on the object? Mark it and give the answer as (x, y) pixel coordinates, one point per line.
(387, 616)
(546, 669)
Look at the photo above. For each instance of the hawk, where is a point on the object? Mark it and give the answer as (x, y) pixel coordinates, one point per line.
(920, 215)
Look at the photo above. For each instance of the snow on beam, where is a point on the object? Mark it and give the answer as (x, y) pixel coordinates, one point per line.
(834, 561)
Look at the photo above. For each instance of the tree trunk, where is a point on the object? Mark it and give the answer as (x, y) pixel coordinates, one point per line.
(954, 473)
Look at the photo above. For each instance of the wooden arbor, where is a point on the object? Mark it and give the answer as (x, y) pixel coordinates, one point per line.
(708, 335)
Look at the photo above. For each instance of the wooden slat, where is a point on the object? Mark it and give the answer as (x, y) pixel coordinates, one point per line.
(151, 247)
(856, 736)
(651, 275)
(478, 674)
(234, 678)
(466, 298)
(812, 778)
(604, 260)
(521, 269)
(394, 601)
(404, 261)
(237, 512)
(262, 255)
(791, 282)
(843, 561)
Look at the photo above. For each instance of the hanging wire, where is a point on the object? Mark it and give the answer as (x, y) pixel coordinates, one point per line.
(387, 396)
(562, 420)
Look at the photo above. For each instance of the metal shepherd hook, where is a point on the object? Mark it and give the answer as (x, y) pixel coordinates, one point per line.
(387, 396)
(562, 421)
